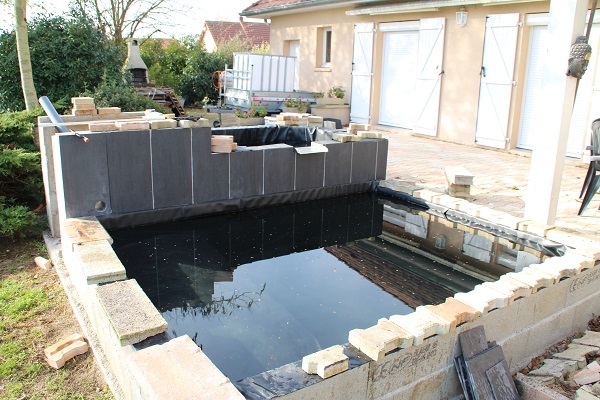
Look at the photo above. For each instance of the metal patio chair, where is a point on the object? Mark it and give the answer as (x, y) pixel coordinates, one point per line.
(591, 183)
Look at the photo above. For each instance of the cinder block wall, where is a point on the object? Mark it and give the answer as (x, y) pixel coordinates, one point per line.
(132, 177)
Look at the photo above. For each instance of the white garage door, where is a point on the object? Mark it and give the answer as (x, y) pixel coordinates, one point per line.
(585, 110)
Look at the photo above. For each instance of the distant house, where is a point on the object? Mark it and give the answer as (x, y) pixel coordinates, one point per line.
(464, 71)
(215, 32)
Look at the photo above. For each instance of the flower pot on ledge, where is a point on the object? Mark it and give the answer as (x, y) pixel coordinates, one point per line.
(252, 121)
(328, 101)
(289, 109)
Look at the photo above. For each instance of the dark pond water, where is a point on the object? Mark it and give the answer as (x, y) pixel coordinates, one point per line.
(260, 289)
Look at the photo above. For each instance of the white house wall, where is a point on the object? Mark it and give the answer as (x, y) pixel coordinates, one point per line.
(461, 67)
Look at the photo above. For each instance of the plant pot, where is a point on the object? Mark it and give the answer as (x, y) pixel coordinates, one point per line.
(321, 101)
(289, 109)
(251, 121)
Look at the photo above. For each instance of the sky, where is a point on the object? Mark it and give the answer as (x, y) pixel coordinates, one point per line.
(189, 22)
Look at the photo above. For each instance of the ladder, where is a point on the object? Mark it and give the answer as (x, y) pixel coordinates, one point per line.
(176, 105)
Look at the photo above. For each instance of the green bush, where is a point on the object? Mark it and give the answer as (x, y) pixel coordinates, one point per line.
(196, 82)
(69, 54)
(116, 93)
(15, 221)
(21, 183)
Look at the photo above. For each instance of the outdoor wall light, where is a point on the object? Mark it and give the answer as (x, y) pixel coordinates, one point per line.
(461, 16)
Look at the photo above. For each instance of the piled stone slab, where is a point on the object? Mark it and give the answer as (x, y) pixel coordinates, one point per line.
(354, 128)
(345, 137)
(326, 363)
(187, 123)
(380, 339)
(109, 110)
(458, 181)
(83, 106)
(134, 125)
(222, 144)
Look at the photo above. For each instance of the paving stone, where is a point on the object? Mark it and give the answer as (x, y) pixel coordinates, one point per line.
(584, 394)
(586, 376)
(179, 370)
(555, 368)
(590, 338)
(483, 299)
(577, 352)
(64, 350)
(109, 110)
(102, 127)
(131, 314)
(380, 339)
(344, 137)
(458, 175)
(99, 262)
(132, 125)
(425, 194)
(535, 278)
(43, 263)
(83, 230)
(186, 123)
(422, 324)
(511, 288)
(326, 363)
(369, 134)
(454, 312)
(535, 228)
(163, 124)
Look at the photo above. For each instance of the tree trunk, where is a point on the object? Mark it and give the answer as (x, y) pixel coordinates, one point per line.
(29, 93)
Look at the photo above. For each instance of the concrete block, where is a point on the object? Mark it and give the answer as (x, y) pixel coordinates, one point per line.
(42, 263)
(590, 338)
(422, 324)
(369, 134)
(425, 194)
(64, 350)
(326, 363)
(329, 124)
(399, 186)
(531, 389)
(454, 312)
(186, 123)
(586, 376)
(556, 368)
(458, 176)
(82, 230)
(85, 107)
(487, 213)
(535, 228)
(99, 262)
(511, 288)
(344, 137)
(221, 140)
(287, 117)
(466, 206)
(577, 352)
(461, 191)
(483, 299)
(131, 314)
(109, 110)
(575, 240)
(132, 125)
(564, 267)
(179, 370)
(163, 124)
(354, 127)
(535, 278)
(315, 119)
(380, 339)
(102, 127)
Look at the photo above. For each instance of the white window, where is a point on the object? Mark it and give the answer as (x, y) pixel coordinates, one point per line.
(326, 47)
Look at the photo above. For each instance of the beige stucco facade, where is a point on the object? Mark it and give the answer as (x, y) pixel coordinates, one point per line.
(462, 60)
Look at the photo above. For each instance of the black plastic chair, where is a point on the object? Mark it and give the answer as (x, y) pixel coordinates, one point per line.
(591, 183)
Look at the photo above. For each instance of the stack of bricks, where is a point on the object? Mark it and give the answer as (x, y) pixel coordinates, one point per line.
(83, 106)
(222, 144)
(288, 119)
(109, 110)
(364, 131)
(315, 121)
(458, 182)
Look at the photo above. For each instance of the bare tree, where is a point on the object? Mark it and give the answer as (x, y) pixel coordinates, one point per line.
(123, 18)
(22, 40)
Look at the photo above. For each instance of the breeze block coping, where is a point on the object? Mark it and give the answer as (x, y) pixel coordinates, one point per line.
(568, 281)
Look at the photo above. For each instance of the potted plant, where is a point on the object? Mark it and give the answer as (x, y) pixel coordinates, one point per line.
(302, 106)
(290, 105)
(336, 94)
(255, 115)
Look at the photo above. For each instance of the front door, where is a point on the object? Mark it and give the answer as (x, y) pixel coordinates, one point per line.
(295, 52)
(496, 83)
(362, 73)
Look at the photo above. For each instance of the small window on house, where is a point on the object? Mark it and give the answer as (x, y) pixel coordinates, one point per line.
(326, 47)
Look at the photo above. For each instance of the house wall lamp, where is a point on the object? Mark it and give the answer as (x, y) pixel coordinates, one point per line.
(461, 16)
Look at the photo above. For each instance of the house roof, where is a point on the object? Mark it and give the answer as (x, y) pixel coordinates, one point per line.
(255, 33)
(429, 5)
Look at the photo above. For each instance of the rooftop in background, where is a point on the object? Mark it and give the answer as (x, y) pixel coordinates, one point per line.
(215, 32)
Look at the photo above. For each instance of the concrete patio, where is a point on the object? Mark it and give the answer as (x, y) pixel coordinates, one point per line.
(500, 178)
